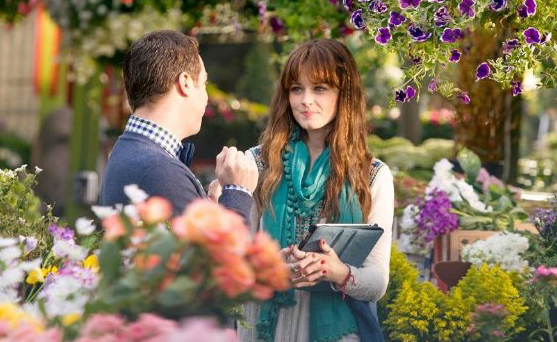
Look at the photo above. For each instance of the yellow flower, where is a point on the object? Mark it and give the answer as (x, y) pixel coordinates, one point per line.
(39, 274)
(14, 317)
(92, 263)
(70, 319)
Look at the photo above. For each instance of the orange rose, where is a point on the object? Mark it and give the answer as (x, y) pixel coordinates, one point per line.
(114, 227)
(271, 269)
(154, 210)
(234, 278)
(145, 262)
(261, 292)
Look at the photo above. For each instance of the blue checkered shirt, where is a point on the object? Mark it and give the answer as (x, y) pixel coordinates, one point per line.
(156, 133)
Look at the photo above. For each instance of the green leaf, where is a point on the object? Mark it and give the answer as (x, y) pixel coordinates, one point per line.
(504, 203)
(180, 292)
(164, 246)
(470, 163)
(109, 260)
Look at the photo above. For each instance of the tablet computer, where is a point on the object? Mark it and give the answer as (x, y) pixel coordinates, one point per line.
(351, 242)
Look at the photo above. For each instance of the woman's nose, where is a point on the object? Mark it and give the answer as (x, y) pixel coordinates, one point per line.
(307, 97)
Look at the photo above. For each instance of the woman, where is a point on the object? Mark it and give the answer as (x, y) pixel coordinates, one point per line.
(315, 167)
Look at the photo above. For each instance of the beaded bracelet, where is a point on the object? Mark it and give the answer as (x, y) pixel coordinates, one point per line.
(345, 282)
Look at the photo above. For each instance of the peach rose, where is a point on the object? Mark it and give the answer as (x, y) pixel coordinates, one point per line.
(234, 278)
(154, 210)
(262, 292)
(269, 266)
(145, 262)
(114, 227)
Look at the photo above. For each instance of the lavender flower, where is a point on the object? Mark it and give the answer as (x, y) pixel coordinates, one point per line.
(527, 9)
(433, 84)
(450, 36)
(466, 8)
(61, 233)
(442, 17)
(407, 3)
(510, 45)
(402, 95)
(497, 5)
(546, 222)
(347, 4)
(532, 35)
(377, 6)
(463, 96)
(435, 217)
(383, 35)
(483, 71)
(516, 87)
(417, 34)
(358, 20)
(396, 19)
(455, 56)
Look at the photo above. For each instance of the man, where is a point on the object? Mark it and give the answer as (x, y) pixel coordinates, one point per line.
(165, 82)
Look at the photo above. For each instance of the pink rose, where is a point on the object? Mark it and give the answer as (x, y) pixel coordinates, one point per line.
(235, 277)
(101, 325)
(149, 328)
(201, 330)
(154, 210)
(114, 227)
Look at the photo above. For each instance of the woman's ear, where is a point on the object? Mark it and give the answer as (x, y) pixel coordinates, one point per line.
(185, 83)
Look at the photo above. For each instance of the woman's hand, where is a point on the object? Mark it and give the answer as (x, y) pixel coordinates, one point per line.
(214, 191)
(311, 268)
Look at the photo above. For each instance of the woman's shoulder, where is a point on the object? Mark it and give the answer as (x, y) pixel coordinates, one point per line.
(378, 168)
(256, 152)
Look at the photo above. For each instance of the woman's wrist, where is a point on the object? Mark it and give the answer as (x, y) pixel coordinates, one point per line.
(344, 271)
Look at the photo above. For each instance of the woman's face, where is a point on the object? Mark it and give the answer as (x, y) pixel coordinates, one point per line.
(314, 105)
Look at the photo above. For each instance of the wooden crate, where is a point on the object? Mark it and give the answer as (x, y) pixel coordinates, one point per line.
(460, 238)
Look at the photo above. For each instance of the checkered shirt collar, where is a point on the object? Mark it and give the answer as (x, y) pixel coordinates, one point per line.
(156, 133)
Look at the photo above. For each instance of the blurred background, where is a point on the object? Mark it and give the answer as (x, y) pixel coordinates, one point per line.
(62, 100)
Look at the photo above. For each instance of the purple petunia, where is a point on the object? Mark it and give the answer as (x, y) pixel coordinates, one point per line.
(432, 85)
(516, 87)
(417, 34)
(435, 217)
(415, 60)
(545, 38)
(358, 20)
(403, 95)
(347, 4)
(497, 5)
(463, 96)
(61, 233)
(450, 36)
(383, 35)
(483, 71)
(377, 6)
(407, 3)
(396, 19)
(455, 56)
(276, 24)
(442, 17)
(466, 8)
(527, 9)
(532, 36)
(510, 45)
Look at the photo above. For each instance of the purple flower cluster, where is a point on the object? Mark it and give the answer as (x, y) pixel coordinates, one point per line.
(516, 87)
(435, 217)
(396, 19)
(407, 3)
(383, 36)
(377, 6)
(532, 36)
(450, 36)
(527, 9)
(497, 5)
(442, 17)
(545, 221)
(417, 34)
(405, 95)
(455, 56)
(61, 233)
(483, 71)
(466, 8)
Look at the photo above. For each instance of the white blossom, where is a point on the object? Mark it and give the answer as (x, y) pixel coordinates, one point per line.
(103, 212)
(504, 249)
(84, 226)
(135, 194)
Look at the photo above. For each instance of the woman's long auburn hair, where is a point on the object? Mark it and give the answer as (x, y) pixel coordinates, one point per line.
(330, 62)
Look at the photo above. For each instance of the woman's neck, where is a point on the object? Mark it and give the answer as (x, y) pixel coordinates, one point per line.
(315, 142)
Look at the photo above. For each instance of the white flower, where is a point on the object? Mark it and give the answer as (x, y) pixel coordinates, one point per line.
(9, 295)
(9, 254)
(131, 211)
(84, 226)
(28, 266)
(503, 249)
(38, 170)
(64, 295)
(103, 212)
(21, 168)
(68, 249)
(135, 194)
(7, 242)
(471, 196)
(29, 243)
(408, 214)
(11, 277)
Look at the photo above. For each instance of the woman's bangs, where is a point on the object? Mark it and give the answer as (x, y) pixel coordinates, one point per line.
(319, 68)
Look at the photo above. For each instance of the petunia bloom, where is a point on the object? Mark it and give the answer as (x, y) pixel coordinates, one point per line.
(417, 34)
(383, 35)
(347, 4)
(527, 9)
(377, 6)
(532, 36)
(396, 19)
(450, 36)
(276, 24)
(402, 95)
(466, 8)
(455, 56)
(407, 3)
(497, 5)
(433, 84)
(510, 45)
(358, 20)
(516, 87)
(483, 71)
(463, 96)
(442, 17)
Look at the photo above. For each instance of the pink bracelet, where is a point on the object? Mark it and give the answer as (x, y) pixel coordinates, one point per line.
(345, 282)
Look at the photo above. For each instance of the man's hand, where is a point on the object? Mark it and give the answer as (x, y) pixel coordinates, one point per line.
(234, 167)
(214, 191)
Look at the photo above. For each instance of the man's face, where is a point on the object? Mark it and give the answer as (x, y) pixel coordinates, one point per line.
(199, 98)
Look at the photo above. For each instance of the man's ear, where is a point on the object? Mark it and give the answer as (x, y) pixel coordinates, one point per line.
(185, 83)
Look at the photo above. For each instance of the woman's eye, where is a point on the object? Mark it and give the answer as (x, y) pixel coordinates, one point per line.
(320, 88)
(296, 89)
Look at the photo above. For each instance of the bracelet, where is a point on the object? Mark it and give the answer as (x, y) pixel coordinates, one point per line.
(345, 282)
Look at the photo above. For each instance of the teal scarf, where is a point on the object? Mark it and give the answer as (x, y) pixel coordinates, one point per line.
(299, 195)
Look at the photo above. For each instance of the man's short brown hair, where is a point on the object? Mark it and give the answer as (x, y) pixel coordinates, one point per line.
(153, 63)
